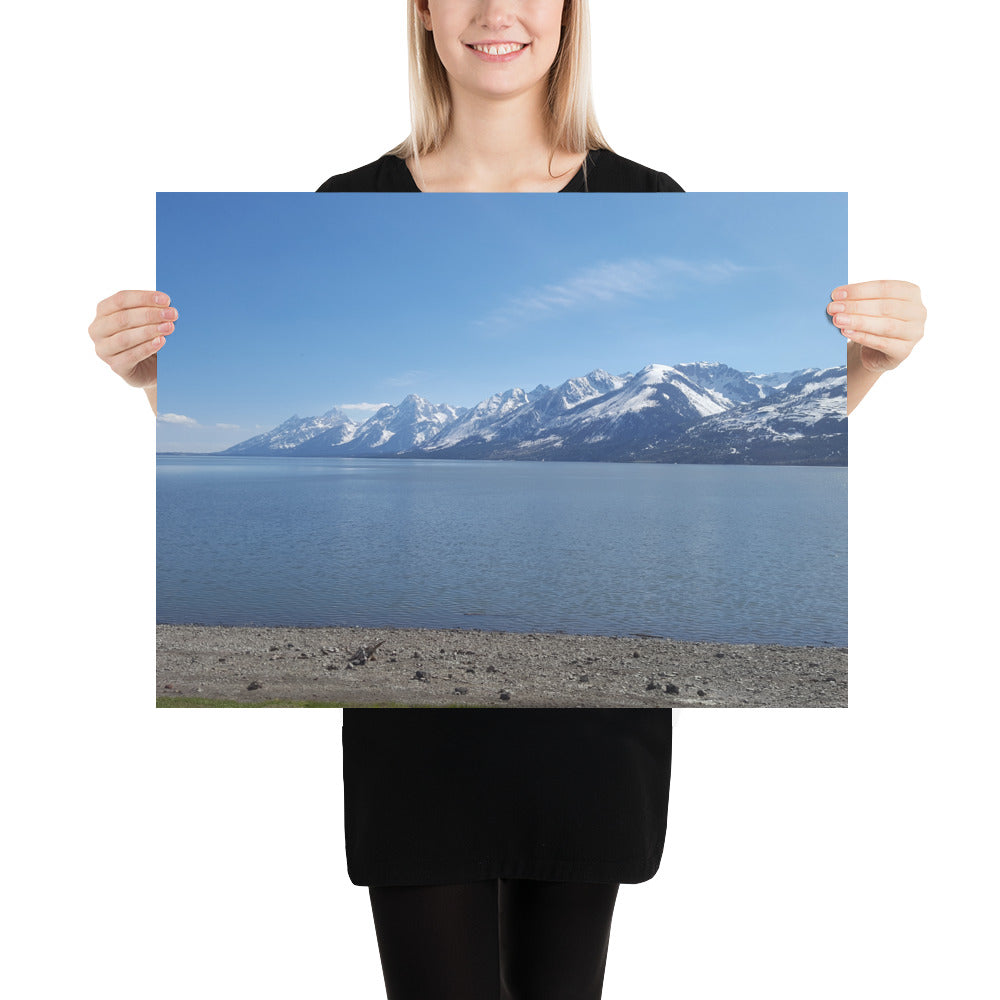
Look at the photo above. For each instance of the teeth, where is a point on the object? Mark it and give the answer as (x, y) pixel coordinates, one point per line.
(499, 50)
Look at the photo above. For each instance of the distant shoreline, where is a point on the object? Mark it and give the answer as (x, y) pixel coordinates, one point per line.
(527, 458)
(436, 667)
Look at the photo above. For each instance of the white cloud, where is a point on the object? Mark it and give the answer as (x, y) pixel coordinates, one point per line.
(179, 420)
(610, 281)
(365, 407)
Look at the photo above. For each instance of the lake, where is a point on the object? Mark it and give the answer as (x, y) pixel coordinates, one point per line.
(697, 552)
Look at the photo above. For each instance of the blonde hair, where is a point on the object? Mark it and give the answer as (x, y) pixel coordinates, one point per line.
(571, 119)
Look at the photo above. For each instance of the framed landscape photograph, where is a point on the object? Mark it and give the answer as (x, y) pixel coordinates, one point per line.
(502, 450)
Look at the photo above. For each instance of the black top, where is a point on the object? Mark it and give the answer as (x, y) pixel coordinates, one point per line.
(442, 795)
(605, 172)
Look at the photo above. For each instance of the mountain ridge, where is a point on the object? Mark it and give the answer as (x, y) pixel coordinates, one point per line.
(690, 412)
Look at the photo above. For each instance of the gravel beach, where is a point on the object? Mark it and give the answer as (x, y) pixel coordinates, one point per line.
(498, 669)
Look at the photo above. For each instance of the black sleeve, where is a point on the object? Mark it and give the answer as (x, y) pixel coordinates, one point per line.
(362, 179)
(666, 183)
(387, 173)
(609, 172)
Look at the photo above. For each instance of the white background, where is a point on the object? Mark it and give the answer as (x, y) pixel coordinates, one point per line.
(810, 853)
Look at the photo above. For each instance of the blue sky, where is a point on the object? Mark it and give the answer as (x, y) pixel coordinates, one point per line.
(297, 303)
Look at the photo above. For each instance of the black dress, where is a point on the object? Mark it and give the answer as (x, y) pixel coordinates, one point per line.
(443, 795)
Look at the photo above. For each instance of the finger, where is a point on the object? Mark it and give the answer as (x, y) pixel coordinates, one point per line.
(124, 363)
(109, 348)
(131, 300)
(884, 289)
(889, 329)
(130, 319)
(904, 309)
(888, 346)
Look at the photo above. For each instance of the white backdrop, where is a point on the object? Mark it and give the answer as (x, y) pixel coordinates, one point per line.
(810, 853)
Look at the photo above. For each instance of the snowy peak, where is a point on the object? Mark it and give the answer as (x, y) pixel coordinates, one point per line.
(728, 383)
(579, 390)
(666, 386)
(803, 422)
(295, 432)
(479, 421)
(497, 405)
(394, 430)
(653, 374)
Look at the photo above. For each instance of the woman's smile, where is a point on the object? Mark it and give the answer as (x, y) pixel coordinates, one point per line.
(497, 51)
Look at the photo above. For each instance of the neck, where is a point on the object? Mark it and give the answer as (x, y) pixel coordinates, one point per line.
(497, 144)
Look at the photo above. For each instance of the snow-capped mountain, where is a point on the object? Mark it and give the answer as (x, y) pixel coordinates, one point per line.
(398, 430)
(479, 422)
(516, 429)
(654, 404)
(575, 391)
(777, 380)
(692, 412)
(296, 432)
(803, 421)
(733, 385)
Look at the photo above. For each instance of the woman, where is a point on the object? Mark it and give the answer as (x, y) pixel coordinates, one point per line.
(494, 856)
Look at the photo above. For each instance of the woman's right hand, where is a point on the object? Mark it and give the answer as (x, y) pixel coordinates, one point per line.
(128, 330)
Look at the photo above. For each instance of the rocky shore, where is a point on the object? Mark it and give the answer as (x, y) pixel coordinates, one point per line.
(437, 667)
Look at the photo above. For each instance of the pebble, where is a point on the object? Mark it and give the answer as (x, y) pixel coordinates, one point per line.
(545, 670)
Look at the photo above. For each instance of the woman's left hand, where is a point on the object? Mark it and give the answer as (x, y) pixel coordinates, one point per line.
(884, 318)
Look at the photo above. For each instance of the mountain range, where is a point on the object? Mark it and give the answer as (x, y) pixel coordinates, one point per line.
(699, 412)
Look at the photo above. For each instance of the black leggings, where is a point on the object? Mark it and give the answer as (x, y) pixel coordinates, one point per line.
(507, 939)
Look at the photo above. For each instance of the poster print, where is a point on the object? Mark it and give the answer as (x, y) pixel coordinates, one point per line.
(502, 450)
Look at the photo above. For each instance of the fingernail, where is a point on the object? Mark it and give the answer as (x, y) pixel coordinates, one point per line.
(840, 293)
(835, 307)
(159, 299)
(165, 327)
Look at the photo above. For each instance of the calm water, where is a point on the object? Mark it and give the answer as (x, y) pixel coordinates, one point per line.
(734, 554)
